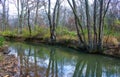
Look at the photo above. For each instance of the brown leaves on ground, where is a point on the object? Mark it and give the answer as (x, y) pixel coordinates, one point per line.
(9, 66)
(110, 40)
(112, 45)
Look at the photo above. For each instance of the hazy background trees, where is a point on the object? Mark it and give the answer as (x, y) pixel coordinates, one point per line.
(77, 15)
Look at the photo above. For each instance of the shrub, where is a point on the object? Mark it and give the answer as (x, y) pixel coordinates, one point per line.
(9, 33)
(1, 41)
(25, 33)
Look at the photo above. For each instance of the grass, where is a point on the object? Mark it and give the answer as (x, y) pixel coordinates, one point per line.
(61, 33)
(112, 33)
(64, 33)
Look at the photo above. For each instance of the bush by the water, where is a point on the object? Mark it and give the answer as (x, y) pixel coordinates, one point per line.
(1, 41)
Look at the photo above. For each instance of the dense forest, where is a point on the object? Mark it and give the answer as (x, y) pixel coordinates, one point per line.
(83, 20)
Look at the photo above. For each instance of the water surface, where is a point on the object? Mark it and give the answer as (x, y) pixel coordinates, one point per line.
(53, 61)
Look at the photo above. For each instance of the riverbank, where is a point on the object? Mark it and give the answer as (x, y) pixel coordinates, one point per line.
(9, 64)
(112, 48)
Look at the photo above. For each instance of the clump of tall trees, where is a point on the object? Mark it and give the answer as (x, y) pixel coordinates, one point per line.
(94, 23)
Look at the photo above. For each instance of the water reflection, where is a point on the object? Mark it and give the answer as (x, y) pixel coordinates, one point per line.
(52, 66)
(97, 66)
(47, 61)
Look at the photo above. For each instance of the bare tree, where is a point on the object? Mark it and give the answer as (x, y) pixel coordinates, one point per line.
(89, 27)
(94, 24)
(28, 12)
(99, 8)
(80, 32)
(53, 18)
(37, 8)
(3, 14)
(102, 14)
(20, 9)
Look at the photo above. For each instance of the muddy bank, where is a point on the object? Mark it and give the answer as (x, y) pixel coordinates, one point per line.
(67, 43)
(110, 50)
(113, 51)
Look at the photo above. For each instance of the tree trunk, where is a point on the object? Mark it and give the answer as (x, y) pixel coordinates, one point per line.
(29, 22)
(4, 15)
(49, 18)
(36, 15)
(80, 35)
(18, 16)
(94, 25)
(100, 34)
(54, 18)
(76, 24)
(90, 45)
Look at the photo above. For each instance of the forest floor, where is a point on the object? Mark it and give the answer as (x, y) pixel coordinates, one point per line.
(8, 65)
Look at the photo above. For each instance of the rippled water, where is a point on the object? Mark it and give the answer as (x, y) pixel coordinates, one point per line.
(53, 61)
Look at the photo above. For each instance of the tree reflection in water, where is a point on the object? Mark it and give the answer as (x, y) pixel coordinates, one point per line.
(52, 66)
(46, 61)
(96, 67)
(29, 62)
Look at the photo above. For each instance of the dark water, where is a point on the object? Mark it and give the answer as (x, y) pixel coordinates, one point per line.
(51, 61)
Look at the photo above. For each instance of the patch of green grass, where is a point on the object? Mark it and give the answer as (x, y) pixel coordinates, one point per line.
(65, 33)
(41, 31)
(62, 32)
(6, 33)
(38, 31)
(9, 33)
(111, 32)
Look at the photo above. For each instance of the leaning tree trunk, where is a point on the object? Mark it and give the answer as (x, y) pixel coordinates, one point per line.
(80, 32)
(76, 24)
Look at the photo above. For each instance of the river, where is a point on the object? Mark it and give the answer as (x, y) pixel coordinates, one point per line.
(38, 60)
